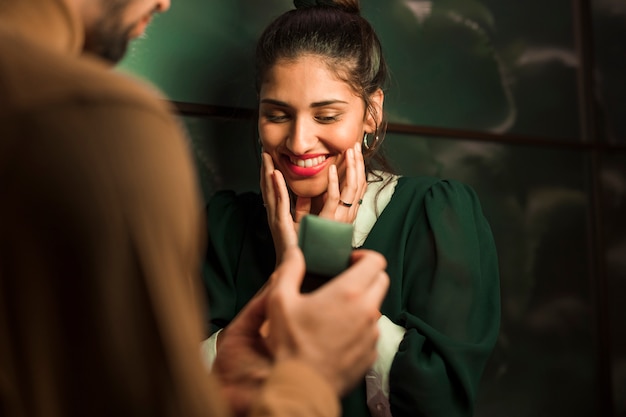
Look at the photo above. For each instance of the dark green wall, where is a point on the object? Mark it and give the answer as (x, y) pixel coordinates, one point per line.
(553, 183)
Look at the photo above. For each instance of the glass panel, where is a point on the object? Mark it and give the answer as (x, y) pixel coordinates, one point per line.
(471, 64)
(487, 65)
(609, 22)
(202, 51)
(225, 154)
(536, 203)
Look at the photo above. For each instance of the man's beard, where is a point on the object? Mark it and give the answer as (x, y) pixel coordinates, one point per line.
(108, 42)
(107, 38)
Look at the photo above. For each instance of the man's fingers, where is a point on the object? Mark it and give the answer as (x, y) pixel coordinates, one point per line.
(363, 263)
(370, 257)
(375, 293)
(290, 273)
(364, 273)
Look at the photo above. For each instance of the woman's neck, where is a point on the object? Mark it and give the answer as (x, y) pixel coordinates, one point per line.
(317, 203)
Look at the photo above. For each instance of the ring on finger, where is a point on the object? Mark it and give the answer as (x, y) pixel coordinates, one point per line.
(343, 203)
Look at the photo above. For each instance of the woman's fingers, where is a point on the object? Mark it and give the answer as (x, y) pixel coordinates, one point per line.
(343, 204)
(361, 179)
(362, 262)
(282, 196)
(278, 207)
(331, 200)
(267, 187)
(356, 183)
(349, 186)
(281, 223)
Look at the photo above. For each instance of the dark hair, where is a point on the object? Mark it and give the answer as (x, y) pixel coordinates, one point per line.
(336, 31)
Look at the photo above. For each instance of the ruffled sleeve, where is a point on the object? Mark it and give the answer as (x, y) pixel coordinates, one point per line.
(450, 304)
(236, 247)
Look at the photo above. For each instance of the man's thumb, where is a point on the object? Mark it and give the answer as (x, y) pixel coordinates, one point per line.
(290, 272)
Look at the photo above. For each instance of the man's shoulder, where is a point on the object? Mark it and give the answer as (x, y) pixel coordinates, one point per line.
(33, 78)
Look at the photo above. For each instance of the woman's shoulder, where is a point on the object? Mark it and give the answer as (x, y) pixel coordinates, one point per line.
(444, 203)
(436, 192)
(433, 185)
(425, 182)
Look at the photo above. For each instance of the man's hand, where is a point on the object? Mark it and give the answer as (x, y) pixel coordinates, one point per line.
(243, 361)
(333, 329)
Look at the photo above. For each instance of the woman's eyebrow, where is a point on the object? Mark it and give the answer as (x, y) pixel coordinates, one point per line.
(313, 105)
(274, 102)
(327, 103)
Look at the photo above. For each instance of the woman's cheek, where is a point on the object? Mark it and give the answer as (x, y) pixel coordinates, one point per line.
(270, 140)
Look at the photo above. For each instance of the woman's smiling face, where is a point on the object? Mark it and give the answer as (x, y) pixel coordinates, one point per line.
(308, 118)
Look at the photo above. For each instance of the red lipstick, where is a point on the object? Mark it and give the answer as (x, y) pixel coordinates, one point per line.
(306, 165)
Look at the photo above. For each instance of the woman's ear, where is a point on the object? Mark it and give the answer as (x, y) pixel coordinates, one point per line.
(374, 114)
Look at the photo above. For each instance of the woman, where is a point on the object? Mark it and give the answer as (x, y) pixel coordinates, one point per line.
(321, 75)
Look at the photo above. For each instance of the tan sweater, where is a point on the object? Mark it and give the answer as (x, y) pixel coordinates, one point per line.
(100, 242)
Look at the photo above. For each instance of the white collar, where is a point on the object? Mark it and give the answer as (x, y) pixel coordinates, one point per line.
(373, 204)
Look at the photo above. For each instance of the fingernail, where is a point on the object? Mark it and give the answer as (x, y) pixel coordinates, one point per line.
(358, 146)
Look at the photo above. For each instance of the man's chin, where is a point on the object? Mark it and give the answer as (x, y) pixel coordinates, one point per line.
(113, 54)
(115, 57)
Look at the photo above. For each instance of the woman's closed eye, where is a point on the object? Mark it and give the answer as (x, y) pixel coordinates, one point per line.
(276, 117)
(281, 117)
(327, 118)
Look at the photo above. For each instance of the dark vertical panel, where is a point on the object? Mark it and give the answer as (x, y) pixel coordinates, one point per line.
(613, 178)
(609, 40)
(590, 133)
(609, 61)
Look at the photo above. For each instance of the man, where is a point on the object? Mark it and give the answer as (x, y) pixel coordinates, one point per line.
(101, 239)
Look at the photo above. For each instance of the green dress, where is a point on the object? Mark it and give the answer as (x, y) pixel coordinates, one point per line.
(444, 287)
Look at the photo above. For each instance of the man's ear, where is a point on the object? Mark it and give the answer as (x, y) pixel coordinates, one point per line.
(374, 114)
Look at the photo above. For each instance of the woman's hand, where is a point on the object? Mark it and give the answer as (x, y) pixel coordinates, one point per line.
(339, 205)
(278, 207)
(343, 205)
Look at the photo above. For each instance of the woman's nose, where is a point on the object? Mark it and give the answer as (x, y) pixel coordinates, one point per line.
(302, 138)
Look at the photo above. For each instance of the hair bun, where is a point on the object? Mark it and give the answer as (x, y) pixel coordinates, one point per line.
(347, 6)
(303, 4)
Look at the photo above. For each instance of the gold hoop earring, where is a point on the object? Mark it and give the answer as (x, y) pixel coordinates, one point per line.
(366, 143)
